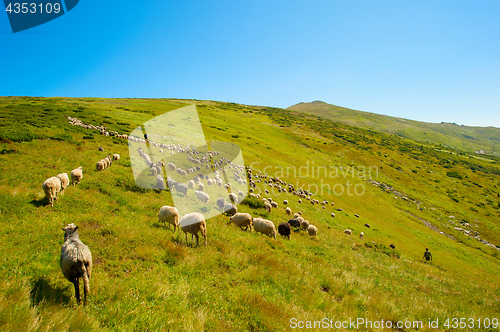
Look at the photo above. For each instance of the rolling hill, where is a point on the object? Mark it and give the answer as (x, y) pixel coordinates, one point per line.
(463, 138)
(411, 194)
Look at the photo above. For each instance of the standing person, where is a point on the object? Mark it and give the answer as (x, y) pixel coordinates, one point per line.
(427, 255)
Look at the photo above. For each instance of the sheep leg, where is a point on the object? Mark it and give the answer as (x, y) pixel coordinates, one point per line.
(77, 290)
(86, 287)
(197, 237)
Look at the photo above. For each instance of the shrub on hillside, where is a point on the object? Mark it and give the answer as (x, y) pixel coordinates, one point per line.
(18, 135)
(253, 202)
(454, 174)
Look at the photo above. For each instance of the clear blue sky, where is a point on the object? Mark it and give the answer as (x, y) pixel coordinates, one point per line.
(425, 60)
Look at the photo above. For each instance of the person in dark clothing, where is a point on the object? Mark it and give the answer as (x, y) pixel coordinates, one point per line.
(427, 255)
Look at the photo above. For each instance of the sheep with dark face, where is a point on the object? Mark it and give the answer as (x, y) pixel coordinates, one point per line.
(76, 261)
(294, 222)
(284, 229)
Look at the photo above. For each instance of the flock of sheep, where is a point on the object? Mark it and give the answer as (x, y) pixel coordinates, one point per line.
(76, 259)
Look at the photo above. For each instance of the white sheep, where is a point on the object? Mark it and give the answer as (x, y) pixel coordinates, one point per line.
(170, 215)
(202, 196)
(64, 181)
(51, 187)
(76, 175)
(265, 227)
(285, 202)
(361, 235)
(194, 223)
(348, 232)
(267, 206)
(288, 211)
(242, 220)
(191, 184)
(274, 204)
(160, 183)
(100, 165)
(116, 156)
(304, 224)
(201, 187)
(76, 261)
(233, 198)
(312, 230)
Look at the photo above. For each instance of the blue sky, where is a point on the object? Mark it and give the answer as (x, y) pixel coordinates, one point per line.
(425, 60)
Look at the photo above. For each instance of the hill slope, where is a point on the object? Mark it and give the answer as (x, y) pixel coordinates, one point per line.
(146, 277)
(462, 138)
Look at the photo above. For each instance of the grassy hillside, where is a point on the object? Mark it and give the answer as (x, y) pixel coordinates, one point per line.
(145, 277)
(464, 138)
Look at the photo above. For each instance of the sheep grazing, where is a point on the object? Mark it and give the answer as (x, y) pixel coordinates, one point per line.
(274, 205)
(64, 181)
(392, 246)
(181, 188)
(285, 202)
(116, 156)
(265, 227)
(51, 187)
(361, 235)
(333, 215)
(76, 175)
(300, 201)
(356, 215)
(268, 207)
(170, 215)
(233, 198)
(100, 165)
(101, 149)
(160, 183)
(201, 187)
(230, 209)
(288, 211)
(348, 232)
(240, 193)
(191, 184)
(76, 261)
(312, 230)
(194, 223)
(154, 171)
(367, 225)
(221, 202)
(242, 220)
(304, 224)
(284, 229)
(294, 222)
(202, 196)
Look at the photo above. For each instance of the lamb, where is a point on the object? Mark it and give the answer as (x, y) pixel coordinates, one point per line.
(64, 181)
(116, 156)
(242, 220)
(284, 229)
(221, 203)
(51, 187)
(304, 224)
(265, 227)
(312, 230)
(202, 196)
(288, 211)
(268, 207)
(194, 223)
(76, 175)
(170, 215)
(230, 209)
(76, 261)
(348, 232)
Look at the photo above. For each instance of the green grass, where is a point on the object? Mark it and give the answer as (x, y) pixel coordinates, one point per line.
(145, 277)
